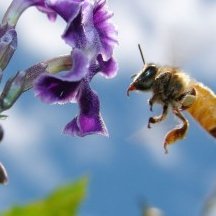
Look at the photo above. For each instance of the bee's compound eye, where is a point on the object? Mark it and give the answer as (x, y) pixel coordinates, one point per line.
(146, 78)
(150, 71)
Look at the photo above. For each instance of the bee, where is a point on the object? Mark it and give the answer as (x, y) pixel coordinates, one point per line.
(175, 90)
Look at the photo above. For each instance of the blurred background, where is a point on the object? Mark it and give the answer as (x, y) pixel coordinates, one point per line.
(130, 166)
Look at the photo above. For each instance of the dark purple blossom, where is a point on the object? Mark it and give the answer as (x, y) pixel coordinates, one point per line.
(63, 88)
(73, 86)
(89, 120)
(92, 36)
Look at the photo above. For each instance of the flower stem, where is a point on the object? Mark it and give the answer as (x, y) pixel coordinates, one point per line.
(54, 65)
(59, 64)
(24, 80)
(15, 10)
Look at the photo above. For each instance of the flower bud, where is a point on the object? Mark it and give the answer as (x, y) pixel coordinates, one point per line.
(12, 90)
(8, 45)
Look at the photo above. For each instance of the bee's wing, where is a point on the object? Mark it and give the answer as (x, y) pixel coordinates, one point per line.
(204, 107)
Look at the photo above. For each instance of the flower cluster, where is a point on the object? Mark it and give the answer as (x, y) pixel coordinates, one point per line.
(64, 79)
(92, 38)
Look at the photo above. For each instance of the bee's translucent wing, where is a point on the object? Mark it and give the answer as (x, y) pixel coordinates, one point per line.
(203, 108)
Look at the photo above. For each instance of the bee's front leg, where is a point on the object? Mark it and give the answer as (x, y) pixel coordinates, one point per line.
(177, 133)
(155, 119)
(152, 100)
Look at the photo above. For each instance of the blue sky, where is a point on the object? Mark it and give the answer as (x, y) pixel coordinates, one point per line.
(130, 166)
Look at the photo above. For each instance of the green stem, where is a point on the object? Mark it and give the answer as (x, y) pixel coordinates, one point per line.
(16, 8)
(59, 64)
(53, 66)
(24, 80)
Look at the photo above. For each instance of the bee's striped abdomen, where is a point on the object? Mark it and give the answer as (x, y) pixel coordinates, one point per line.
(204, 108)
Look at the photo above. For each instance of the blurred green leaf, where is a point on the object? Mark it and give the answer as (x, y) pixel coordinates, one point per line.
(65, 201)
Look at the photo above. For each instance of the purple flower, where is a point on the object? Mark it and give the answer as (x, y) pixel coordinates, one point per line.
(73, 86)
(92, 36)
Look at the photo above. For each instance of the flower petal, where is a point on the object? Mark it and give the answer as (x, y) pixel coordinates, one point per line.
(48, 11)
(79, 68)
(105, 29)
(67, 9)
(72, 128)
(51, 89)
(92, 30)
(74, 34)
(89, 121)
(108, 68)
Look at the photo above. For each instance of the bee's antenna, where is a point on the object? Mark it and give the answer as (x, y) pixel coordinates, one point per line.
(141, 52)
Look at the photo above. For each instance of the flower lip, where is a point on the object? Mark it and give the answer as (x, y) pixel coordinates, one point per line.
(53, 90)
(89, 120)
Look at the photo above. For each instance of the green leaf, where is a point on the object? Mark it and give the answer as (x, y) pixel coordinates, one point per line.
(65, 201)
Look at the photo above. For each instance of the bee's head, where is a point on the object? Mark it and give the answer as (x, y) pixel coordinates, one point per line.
(143, 81)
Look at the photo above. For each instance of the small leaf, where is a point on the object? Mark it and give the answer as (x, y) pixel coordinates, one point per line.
(65, 201)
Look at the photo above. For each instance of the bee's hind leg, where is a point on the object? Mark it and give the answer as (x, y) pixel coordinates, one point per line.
(156, 119)
(177, 133)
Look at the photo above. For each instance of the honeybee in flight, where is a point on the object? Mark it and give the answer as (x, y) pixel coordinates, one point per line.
(172, 88)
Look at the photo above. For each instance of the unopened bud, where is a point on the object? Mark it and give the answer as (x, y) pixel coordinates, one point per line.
(12, 90)
(8, 44)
